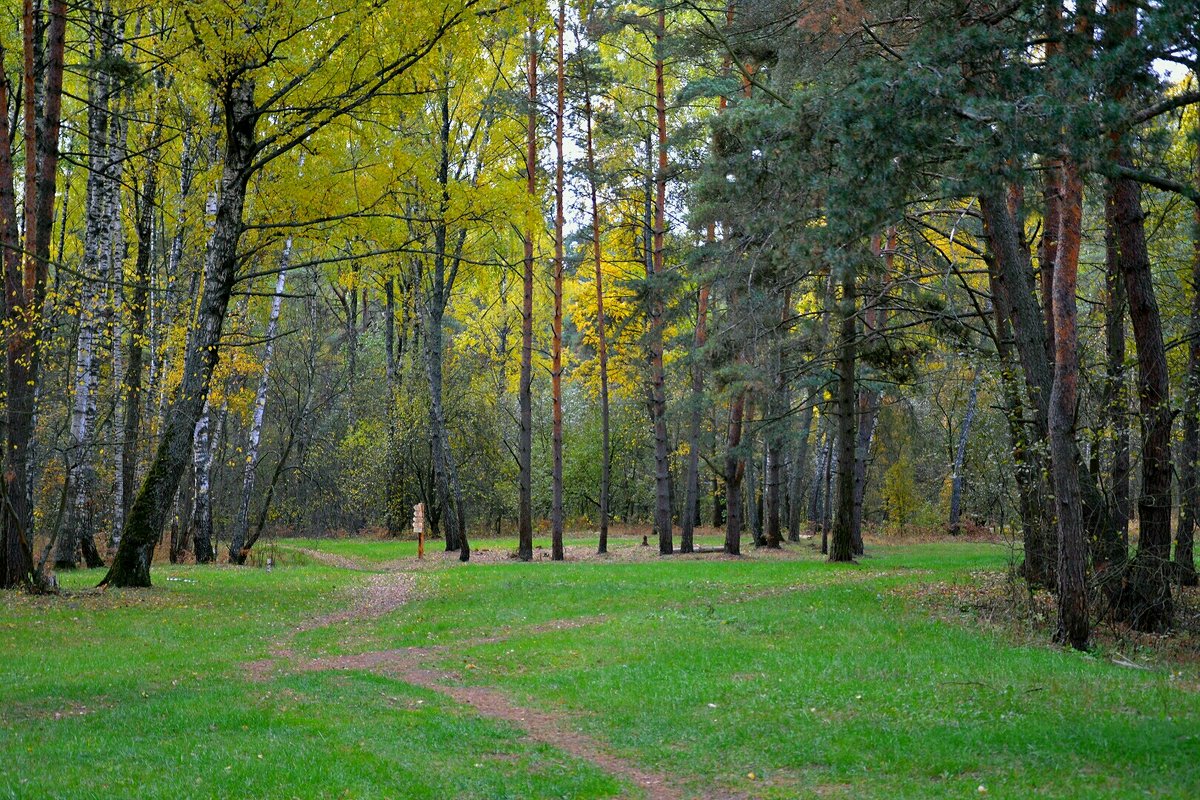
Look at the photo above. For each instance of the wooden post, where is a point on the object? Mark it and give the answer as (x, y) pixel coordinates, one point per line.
(418, 523)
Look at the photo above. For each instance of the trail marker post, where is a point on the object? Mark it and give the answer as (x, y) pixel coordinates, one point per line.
(418, 523)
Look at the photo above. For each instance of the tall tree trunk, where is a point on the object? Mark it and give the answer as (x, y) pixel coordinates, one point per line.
(662, 465)
(799, 466)
(442, 277)
(1073, 622)
(735, 468)
(1189, 483)
(204, 447)
(691, 502)
(832, 469)
(601, 323)
(139, 311)
(1015, 289)
(1116, 389)
(556, 510)
(869, 402)
(95, 276)
(842, 544)
(775, 434)
(131, 566)
(25, 269)
(118, 153)
(202, 460)
(753, 518)
(239, 548)
(819, 469)
(525, 437)
(1147, 595)
(392, 517)
(960, 452)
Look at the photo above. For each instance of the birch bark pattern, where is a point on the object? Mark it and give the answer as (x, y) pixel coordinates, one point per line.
(131, 565)
(95, 274)
(237, 543)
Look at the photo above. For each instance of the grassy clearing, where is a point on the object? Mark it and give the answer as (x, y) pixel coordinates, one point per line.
(768, 677)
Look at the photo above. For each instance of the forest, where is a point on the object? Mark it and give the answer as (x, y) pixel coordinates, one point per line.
(778, 268)
(846, 353)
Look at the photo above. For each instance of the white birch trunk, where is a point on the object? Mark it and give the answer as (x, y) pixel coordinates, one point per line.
(242, 525)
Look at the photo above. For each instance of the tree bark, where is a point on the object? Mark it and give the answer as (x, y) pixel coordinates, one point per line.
(869, 402)
(842, 543)
(1014, 275)
(735, 468)
(525, 398)
(1189, 483)
(1147, 593)
(662, 466)
(956, 480)
(131, 566)
(442, 278)
(691, 502)
(95, 275)
(601, 323)
(139, 310)
(799, 466)
(25, 269)
(239, 547)
(1116, 390)
(1073, 622)
(556, 510)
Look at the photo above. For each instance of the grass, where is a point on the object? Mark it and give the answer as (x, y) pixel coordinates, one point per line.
(768, 677)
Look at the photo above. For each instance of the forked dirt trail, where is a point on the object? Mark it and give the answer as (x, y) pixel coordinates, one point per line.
(387, 591)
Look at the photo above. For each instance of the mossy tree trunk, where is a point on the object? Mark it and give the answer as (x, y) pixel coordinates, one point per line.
(131, 564)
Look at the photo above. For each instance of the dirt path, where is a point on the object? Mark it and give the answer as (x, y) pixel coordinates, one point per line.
(383, 594)
(387, 591)
(411, 666)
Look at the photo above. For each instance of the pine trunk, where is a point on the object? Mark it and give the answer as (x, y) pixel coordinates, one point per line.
(25, 268)
(601, 323)
(556, 509)
(1116, 391)
(1146, 597)
(799, 467)
(734, 471)
(1189, 481)
(1073, 622)
(525, 399)
(842, 545)
(662, 465)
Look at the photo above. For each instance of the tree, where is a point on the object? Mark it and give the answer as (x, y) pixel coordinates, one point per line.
(26, 261)
(234, 74)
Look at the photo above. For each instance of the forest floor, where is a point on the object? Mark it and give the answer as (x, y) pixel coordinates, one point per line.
(352, 670)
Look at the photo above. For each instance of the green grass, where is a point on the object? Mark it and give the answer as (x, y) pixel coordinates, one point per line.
(819, 680)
